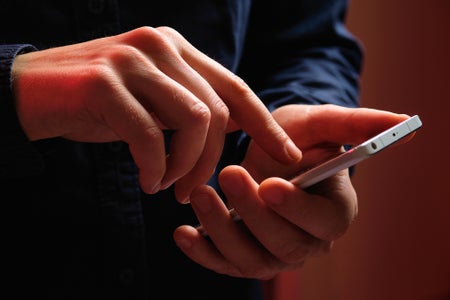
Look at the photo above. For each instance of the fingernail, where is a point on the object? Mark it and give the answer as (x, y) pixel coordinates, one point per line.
(293, 151)
(156, 188)
(273, 196)
(167, 184)
(183, 243)
(185, 200)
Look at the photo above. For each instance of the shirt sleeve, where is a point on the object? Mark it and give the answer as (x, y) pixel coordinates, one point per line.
(301, 52)
(18, 156)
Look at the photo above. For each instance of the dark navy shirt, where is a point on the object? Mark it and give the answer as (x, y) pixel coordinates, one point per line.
(77, 224)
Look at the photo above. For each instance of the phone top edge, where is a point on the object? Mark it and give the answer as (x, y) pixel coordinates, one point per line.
(392, 135)
(358, 153)
(414, 122)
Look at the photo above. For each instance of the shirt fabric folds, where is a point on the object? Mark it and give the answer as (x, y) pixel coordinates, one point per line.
(79, 227)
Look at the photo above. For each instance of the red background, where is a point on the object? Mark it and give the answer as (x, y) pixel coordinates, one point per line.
(399, 245)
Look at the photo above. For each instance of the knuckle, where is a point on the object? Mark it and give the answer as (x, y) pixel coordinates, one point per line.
(147, 37)
(98, 77)
(238, 86)
(124, 54)
(145, 33)
(173, 40)
(339, 227)
(221, 113)
(153, 133)
(200, 113)
(172, 34)
(195, 111)
(168, 31)
(116, 56)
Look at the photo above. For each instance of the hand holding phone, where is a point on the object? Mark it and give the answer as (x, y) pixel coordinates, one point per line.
(358, 153)
(349, 158)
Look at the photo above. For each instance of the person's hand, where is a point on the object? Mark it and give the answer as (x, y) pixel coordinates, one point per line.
(281, 225)
(132, 86)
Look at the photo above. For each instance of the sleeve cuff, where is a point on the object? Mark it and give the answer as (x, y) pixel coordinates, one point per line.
(18, 156)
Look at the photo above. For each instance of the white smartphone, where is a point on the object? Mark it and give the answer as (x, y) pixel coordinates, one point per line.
(358, 153)
(349, 158)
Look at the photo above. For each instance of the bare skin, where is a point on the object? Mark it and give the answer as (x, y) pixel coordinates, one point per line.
(282, 225)
(131, 87)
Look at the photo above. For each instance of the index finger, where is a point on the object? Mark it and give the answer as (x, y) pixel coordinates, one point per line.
(246, 109)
